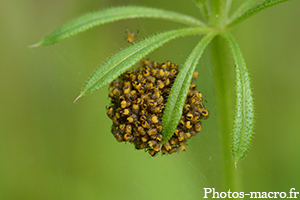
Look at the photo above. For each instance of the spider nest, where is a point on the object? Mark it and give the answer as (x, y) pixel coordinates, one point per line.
(138, 98)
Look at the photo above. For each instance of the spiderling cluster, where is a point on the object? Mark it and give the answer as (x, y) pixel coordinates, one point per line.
(138, 99)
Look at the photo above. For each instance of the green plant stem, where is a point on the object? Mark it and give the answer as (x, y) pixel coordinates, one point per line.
(223, 71)
(218, 14)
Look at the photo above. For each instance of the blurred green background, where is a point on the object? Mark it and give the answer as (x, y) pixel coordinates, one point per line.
(51, 148)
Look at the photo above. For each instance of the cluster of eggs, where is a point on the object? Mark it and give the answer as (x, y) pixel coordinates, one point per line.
(138, 98)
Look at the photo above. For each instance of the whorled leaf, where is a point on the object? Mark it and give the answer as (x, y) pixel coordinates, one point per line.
(180, 88)
(122, 61)
(243, 126)
(242, 8)
(91, 20)
(255, 9)
(227, 7)
(203, 5)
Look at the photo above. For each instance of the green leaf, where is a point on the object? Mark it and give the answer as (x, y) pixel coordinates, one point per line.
(255, 9)
(91, 20)
(228, 5)
(204, 7)
(180, 88)
(241, 9)
(122, 61)
(243, 126)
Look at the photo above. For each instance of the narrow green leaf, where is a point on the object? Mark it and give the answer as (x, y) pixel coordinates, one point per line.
(204, 7)
(241, 9)
(228, 5)
(243, 126)
(255, 9)
(122, 61)
(180, 88)
(91, 20)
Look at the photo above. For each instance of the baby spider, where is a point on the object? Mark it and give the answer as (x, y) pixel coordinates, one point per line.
(130, 35)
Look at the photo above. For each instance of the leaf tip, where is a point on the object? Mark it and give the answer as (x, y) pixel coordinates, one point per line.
(34, 45)
(79, 96)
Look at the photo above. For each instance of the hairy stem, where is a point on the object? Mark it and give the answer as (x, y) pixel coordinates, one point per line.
(218, 14)
(223, 69)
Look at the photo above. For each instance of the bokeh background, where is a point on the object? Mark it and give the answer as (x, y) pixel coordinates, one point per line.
(52, 148)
